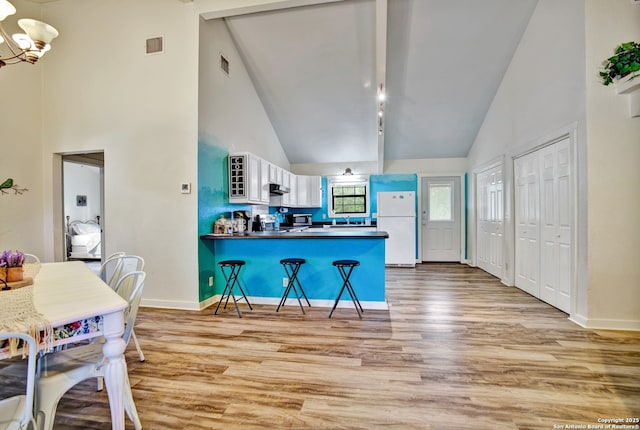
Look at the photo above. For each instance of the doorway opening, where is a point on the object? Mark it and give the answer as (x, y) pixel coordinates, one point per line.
(83, 207)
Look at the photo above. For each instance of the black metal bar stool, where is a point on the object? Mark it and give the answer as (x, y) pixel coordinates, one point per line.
(291, 268)
(231, 278)
(345, 267)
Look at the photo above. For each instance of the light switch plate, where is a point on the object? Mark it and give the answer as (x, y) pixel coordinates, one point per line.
(185, 188)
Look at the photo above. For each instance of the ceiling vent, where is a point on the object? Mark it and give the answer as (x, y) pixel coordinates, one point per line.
(224, 64)
(155, 45)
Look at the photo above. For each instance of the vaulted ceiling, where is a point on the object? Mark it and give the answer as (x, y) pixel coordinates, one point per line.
(317, 70)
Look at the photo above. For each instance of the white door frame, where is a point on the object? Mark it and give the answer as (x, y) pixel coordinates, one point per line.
(463, 230)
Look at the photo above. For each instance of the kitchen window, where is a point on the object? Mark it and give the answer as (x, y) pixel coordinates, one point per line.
(348, 197)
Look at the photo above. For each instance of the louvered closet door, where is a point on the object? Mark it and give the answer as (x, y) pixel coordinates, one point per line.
(490, 220)
(544, 218)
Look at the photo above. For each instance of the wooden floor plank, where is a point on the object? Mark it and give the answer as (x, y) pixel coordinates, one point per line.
(456, 350)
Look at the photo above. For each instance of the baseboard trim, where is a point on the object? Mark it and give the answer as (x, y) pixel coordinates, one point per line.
(169, 304)
(605, 324)
(319, 303)
(166, 304)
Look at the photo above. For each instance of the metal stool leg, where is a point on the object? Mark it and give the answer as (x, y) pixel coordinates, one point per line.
(347, 285)
(231, 280)
(291, 269)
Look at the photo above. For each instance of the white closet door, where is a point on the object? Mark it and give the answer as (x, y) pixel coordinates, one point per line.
(555, 220)
(543, 215)
(490, 220)
(527, 219)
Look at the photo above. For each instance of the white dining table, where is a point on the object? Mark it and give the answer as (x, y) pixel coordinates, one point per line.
(79, 305)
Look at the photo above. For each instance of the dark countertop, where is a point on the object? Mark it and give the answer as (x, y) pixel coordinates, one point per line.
(313, 233)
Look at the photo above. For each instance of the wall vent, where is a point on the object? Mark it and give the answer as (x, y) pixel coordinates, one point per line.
(155, 45)
(224, 64)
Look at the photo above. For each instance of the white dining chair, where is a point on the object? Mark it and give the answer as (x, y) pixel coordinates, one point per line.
(64, 369)
(31, 259)
(110, 267)
(129, 263)
(17, 412)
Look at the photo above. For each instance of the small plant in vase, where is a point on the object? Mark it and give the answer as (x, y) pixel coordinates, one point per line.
(626, 61)
(11, 266)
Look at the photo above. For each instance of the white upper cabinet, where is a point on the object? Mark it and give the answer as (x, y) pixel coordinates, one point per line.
(264, 181)
(315, 191)
(286, 182)
(250, 176)
(303, 191)
(248, 179)
(275, 174)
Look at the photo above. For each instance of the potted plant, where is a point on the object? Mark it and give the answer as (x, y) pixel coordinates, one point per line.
(11, 269)
(626, 61)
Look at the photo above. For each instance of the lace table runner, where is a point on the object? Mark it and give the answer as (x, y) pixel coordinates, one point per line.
(18, 314)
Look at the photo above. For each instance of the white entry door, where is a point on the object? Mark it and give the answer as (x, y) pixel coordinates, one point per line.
(544, 194)
(490, 220)
(440, 218)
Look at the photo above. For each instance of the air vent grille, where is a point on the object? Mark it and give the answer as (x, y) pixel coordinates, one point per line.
(224, 64)
(155, 45)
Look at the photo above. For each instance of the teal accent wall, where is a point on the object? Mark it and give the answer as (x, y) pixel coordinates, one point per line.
(262, 275)
(213, 201)
(396, 182)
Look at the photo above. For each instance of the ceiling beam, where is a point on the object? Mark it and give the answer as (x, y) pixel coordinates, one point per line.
(212, 9)
(381, 75)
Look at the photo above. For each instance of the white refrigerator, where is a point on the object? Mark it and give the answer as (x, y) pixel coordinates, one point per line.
(397, 216)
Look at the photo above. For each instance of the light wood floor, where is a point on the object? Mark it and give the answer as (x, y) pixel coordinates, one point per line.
(456, 350)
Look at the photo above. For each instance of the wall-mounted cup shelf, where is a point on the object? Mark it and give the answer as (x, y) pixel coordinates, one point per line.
(631, 87)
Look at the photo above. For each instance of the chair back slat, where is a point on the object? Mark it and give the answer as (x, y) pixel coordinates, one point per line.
(130, 287)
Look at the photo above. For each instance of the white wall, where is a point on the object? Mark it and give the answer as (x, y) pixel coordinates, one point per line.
(614, 177)
(541, 97)
(430, 166)
(101, 92)
(552, 88)
(82, 179)
(21, 216)
(230, 111)
(443, 166)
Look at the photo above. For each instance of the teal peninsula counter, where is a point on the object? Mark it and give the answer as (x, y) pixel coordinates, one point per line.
(262, 276)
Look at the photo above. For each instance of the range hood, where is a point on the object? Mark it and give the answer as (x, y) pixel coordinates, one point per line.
(277, 190)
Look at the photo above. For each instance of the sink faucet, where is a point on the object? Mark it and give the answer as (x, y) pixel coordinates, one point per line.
(347, 219)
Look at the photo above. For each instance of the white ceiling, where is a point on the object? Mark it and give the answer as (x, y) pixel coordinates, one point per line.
(314, 68)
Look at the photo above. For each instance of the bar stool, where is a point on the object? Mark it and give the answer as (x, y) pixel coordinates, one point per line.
(231, 278)
(345, 267)
(291, 268)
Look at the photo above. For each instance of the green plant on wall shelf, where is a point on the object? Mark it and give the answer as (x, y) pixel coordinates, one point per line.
(626, 61)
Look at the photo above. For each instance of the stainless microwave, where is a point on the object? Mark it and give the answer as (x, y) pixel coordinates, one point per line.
(297, 220)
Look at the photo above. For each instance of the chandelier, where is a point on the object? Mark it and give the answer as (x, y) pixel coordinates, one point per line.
(28, 46)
